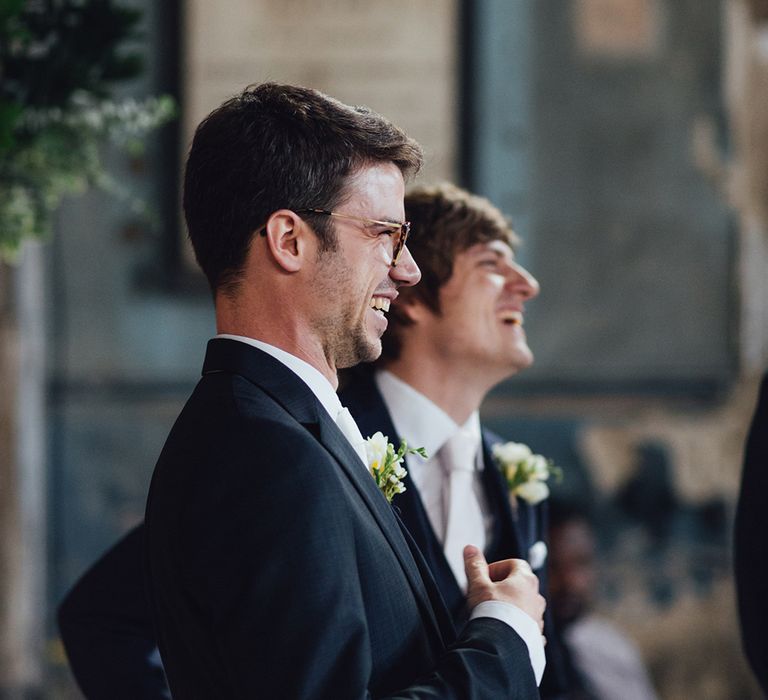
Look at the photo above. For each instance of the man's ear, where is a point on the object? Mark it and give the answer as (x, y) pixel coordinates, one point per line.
(287, 239)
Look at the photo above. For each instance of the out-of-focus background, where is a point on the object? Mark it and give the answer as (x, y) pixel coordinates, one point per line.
(628, 141)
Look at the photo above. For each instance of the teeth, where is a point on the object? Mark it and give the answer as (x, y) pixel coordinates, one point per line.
(513, 317)
(380, 303)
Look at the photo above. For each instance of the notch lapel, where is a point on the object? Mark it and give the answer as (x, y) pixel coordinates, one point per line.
(510, 529)
(337, 444)
(362, 397)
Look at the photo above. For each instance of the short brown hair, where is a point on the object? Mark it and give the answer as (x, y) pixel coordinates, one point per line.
(273, 147)
(445, 220)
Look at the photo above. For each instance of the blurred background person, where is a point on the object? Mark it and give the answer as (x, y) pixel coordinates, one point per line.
(600, 660)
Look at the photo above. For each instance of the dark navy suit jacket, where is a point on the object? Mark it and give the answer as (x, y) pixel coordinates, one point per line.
(380, 629)
(514, 531)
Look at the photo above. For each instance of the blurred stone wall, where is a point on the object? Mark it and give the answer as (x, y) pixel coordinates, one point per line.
(661, 468)
(398, 58)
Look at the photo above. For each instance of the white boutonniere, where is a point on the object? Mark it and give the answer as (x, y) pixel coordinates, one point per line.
(526, 473)
(385, 464)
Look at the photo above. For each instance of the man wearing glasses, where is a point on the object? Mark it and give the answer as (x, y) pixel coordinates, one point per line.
(275, 567)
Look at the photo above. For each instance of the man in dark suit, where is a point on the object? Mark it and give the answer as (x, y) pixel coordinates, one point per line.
(275, 567)
(450, 339)
(751, 543)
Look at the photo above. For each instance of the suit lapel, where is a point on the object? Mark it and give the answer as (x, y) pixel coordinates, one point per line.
(366, 404)
(510, 528)
(362, 397)
(335, 442)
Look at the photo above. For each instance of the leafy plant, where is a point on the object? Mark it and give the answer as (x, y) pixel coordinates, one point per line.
(59, 62)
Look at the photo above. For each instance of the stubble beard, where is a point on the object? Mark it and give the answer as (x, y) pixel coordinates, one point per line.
(345, 340)
(355, 347)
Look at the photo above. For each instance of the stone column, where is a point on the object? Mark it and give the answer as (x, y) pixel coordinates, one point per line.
(22, 476)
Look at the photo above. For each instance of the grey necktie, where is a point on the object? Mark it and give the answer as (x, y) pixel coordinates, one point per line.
(463, 517)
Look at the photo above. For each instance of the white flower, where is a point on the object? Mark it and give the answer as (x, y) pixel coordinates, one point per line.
(511, 451)
(376, 450)
(525, 472)
(538, 466)
(534, 492)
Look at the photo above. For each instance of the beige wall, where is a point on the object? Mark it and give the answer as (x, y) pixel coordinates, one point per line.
(396, 57)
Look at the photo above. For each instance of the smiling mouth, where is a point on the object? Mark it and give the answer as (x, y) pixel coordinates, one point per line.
(380, 304)
(511, 318)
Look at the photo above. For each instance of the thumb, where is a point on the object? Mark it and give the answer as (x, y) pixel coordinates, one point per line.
(475, 566)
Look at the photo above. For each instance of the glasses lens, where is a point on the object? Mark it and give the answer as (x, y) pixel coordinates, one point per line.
(402, 235)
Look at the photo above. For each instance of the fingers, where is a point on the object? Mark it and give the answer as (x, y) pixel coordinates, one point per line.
(509, 580)
(475, 566)
(539, 611)
(499, 570)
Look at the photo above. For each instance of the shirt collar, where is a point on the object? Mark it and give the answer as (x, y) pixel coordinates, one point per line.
(311, 376)
(418, 420)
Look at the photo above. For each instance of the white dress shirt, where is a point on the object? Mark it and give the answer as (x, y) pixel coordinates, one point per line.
(421, 423)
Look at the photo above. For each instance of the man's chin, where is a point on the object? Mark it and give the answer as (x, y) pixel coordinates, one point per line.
(521, 358)
(373, 352)
(366, 350)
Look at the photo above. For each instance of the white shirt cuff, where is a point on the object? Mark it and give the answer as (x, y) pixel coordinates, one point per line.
(523, 624)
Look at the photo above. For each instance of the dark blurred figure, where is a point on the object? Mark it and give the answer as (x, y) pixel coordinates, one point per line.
(751, 543)
(602, 663)
(648, 497)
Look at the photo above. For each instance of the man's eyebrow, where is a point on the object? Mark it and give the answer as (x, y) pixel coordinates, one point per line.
(488, 250)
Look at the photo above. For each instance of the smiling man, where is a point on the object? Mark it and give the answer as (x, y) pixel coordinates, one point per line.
(275, 566)
(451, 339)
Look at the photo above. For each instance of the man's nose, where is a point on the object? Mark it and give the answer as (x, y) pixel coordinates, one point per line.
(406, 273)
(522, 281)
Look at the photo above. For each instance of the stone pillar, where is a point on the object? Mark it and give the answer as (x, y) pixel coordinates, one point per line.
(9, 517)
(22, 476)
(746, 80)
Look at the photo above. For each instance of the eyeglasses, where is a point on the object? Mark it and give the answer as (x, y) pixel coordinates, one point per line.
(400, 230)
